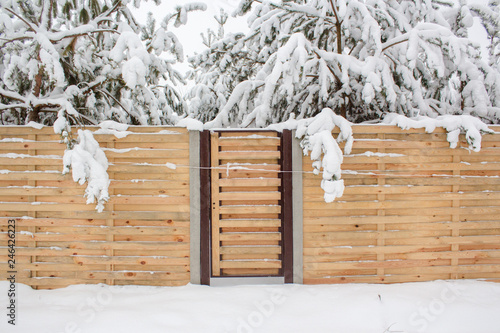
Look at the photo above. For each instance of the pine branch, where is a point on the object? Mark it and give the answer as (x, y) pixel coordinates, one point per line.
(79, 34)
(91, 121)
(108, 95)
(338, 28)
(93, 85)
(110, 11)
(22, 19)
(335, 12)
(4, 107)
(295, 11)
(12, 40)
(329, 68)
(45, 20)
(12, 95)
(395, 43)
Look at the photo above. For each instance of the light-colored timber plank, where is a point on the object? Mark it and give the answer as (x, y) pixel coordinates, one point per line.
(134, 275)
(143, 168)
(112, 230)
(90, 214)
(373, 205)
(231, 142)
(250, 210)
(249, 155)
(250, 250)
(44, 207)
(141, 261)
(242, 182)
(255, 223)
(250, 236)
(123, 245)
(228, 135)
(250, 264)
(249, 195)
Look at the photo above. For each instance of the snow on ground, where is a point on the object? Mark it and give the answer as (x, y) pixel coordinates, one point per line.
(439, 306)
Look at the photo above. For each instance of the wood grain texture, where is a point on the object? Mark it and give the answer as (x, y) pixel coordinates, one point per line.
(413, 210)
(142, 237)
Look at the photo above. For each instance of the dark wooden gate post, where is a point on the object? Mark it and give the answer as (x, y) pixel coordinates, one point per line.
(287, 205)
(205, 209)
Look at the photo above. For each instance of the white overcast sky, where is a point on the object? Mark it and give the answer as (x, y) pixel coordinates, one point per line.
(198, 22)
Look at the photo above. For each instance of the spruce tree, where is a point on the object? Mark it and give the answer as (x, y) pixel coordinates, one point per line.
(87, 61)
(361, 58)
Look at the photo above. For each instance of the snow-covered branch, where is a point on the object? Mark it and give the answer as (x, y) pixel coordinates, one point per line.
(12, 106)
(318, 141)
(414, 58)
(89, 164)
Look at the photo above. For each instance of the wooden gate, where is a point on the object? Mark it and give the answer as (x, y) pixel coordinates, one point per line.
(249, 219)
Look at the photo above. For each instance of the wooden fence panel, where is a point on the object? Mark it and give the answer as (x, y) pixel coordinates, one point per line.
(413, 210)
(142, 236)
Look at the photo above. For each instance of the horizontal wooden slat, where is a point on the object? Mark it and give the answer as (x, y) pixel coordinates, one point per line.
(255, 223)
(242, 182)
(250, 250)
(274, 209)
(250, 264)
(250, 236)
(249, 141)
(249, 155)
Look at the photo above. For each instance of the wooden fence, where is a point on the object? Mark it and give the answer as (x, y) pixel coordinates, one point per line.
(142, 237)
(413, 210)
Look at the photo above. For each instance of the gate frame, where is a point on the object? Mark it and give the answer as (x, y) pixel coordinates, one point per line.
(287, 207)
(205, 211)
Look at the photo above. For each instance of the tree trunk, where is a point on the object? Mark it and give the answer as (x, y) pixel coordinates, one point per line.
(33, 114)
(462, 99)
(338, 28)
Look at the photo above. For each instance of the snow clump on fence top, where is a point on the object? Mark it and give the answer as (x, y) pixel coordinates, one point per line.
(453, 124)
(316, 135)
(89, 163)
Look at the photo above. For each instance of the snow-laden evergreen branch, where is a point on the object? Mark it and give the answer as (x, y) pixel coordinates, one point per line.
(413, 58)
(88, 164)
(317, 140)
(53, 51)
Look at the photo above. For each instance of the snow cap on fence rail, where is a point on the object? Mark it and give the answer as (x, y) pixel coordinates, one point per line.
(453, 124)
(89, 162)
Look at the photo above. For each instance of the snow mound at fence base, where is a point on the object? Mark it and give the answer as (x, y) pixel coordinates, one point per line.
(431, 307)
